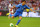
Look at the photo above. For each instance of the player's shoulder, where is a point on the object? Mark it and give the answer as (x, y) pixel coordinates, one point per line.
(25, 5)
(20, 4)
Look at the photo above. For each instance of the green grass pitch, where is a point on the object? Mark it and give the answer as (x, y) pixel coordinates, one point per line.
(25, 22)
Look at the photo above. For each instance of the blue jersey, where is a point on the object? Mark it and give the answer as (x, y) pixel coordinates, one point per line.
(22, 7)
(20, 10)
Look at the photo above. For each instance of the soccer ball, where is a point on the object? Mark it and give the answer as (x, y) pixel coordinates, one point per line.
(11, 24)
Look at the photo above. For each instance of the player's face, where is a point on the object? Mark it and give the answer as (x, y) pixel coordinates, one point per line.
(23, 3)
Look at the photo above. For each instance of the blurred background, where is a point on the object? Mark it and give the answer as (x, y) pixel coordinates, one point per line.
(33, 4)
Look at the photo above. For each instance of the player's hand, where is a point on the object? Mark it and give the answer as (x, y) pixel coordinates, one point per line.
(13, 7)
(34, 11)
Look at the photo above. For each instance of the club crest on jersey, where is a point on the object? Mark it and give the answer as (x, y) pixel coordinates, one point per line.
(22, 8)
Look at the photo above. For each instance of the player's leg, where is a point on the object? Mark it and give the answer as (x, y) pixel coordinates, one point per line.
(15, 14)
(10, 15)
(19, 20)
(27, 13)
(20, 17)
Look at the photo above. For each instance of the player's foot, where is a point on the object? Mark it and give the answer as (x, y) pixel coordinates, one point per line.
(16, 25)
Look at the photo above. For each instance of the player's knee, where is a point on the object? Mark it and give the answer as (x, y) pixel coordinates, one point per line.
(20, 17)
(12, 16)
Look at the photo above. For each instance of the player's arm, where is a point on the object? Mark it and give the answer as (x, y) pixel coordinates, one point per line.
(32, 11)
(12, 8)
(16, 6)
(29, 8)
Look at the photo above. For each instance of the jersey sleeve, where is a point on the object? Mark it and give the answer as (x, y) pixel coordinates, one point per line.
(18, 5)
(27, 7)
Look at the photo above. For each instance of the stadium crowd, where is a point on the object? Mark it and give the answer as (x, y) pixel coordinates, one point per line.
(34, 4)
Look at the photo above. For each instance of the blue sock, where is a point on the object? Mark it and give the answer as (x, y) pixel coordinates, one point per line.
(18, 21)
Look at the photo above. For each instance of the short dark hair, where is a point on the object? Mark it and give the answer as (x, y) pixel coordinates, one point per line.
(23, 0)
